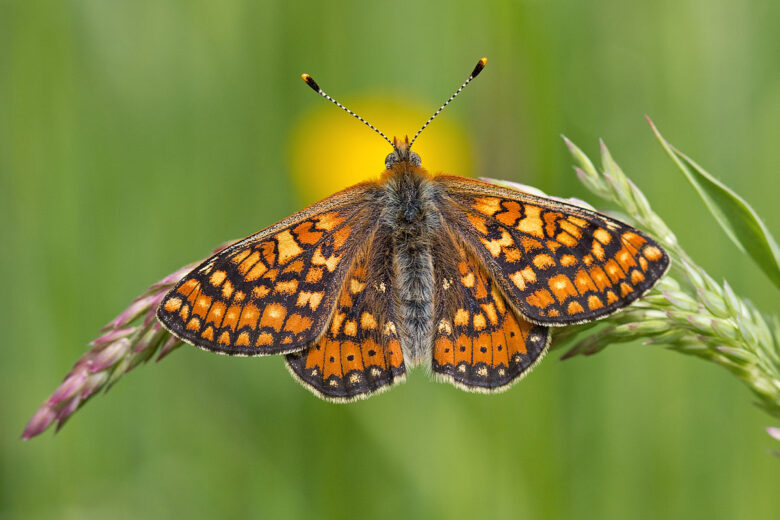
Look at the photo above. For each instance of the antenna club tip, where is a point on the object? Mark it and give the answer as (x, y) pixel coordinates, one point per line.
(310, 81)
(480, 65)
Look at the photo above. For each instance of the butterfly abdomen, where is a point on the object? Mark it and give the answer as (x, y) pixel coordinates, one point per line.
(410, 212)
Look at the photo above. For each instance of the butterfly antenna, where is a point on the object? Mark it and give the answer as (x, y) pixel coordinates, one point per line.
(480, 65)
(313, 84)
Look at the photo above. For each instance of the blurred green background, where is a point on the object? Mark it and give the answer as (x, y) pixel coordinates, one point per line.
(135, 136)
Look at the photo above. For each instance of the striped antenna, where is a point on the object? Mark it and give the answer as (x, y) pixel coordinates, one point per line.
(480, 65)
(313, 84)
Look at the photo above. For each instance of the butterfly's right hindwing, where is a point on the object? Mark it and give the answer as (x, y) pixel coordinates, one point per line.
(273, 292)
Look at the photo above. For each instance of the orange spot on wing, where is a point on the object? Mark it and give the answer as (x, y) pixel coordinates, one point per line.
(306, 233)
(543, 261)
(566, 239)
(461, 318)
(490, 311)
(194, 324)
(625, 259)
(500, 350)
(394, 353)
(172, 305)
(314, 274)
(372, 354)
(463, 349)
(208, 333)
(227, 289)
(288, 247)
(217, 277)
(583, 282)
(636, 276)
(264, 339)
(224, 338)
(598, 250)
(515, 336)
(487, 205)
(614, 271)
(242, 340)
(260, 291)
(273, 316)
(215, 313)
(202, 305)
(531, 223)
(350, 357)
(482, 349)
(562, 287)
(288, 287)
(550, 219)
(249, 317)
(529, 244)
(602, 235)
(367, 321)
(594, 302)
(652, 253)
(335, 325)
(611, 297)
(568, 260)
(443, 351)
(600, 277)
(510, 213)
(296, 323)
(574, 308)
(350, 328)
(541, 299)
(479, 321)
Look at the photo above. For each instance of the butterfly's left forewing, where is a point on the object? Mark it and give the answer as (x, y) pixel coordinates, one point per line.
(273, 292)
(558, 263)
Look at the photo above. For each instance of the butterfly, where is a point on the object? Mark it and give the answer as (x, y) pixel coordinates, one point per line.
(458, 275)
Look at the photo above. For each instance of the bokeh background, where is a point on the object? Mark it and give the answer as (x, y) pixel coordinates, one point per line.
(136, 135)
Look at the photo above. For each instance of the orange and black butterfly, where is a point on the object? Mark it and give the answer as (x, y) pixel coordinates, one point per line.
(458, 275)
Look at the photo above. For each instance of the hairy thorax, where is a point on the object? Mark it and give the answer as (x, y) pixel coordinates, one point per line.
(410, 212)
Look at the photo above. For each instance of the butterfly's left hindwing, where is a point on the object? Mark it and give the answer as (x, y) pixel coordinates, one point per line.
(360, 352)
(559, 264)
(273, 292)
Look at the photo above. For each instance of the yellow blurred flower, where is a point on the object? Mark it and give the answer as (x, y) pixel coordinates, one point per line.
(331, 150)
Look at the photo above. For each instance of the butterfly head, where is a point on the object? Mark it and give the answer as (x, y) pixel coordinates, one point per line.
(402, 153)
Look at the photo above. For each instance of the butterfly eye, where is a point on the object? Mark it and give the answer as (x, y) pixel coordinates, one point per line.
(415, 159)
(390, 160)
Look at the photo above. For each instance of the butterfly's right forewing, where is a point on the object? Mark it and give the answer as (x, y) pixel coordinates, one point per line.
(275, 291)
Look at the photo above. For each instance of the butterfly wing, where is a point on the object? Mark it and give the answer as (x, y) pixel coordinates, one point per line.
(558, 263)
(360, 353)
(480, 343)
(275, 291)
